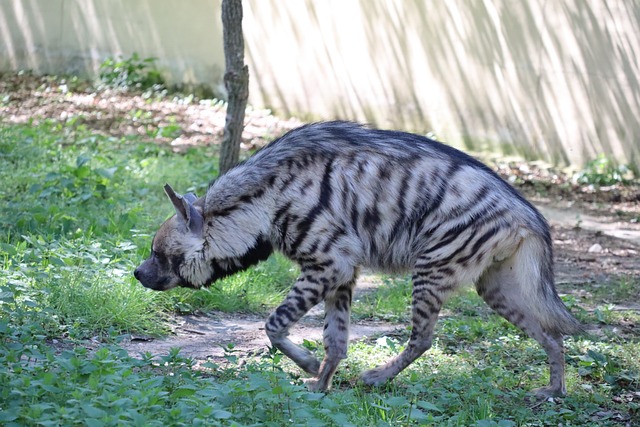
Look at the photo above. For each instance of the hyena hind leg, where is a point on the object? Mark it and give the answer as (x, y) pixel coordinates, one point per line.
(304, 295)
(336, 334)
(429, 293)
(500, 287)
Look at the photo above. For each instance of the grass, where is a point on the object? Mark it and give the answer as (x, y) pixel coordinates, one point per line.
(74, 226)
(391, 301)
(78, 213)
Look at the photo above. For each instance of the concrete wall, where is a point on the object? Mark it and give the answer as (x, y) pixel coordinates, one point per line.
(75, 36)
(557, 80)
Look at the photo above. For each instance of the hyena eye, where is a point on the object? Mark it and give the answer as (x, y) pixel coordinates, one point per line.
(160, 257)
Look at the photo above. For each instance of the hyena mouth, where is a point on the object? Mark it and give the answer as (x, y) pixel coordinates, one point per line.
(156, 284)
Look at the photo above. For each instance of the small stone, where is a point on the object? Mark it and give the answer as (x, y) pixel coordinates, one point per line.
(596, 248)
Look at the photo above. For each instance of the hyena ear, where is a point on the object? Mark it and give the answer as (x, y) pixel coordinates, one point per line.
(186, 212)
(190, 197)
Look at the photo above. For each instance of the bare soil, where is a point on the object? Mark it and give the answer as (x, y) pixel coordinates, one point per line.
(596, 231)
(205, 336)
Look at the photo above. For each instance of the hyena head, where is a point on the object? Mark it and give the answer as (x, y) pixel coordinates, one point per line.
(177, 256)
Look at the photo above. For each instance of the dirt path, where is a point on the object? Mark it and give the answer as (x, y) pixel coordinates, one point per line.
(591, 248)
(204, 336)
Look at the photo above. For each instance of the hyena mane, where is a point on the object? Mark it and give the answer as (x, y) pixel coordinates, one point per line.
(337, 196)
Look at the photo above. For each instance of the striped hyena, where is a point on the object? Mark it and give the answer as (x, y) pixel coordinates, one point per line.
(336, 196)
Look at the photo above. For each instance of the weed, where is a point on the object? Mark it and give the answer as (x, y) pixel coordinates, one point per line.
(602, 171)
(133, 73)
(72, 229)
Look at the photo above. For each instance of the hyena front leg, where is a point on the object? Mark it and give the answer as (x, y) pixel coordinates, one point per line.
(307, 292)
(430, 291)
(336, 333)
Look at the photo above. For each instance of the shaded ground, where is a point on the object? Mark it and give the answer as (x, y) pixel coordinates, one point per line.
(596, 231)
(178, 121)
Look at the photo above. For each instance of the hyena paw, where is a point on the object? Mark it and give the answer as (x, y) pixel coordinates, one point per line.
(314, 385)
(543, 393)
(375, 377)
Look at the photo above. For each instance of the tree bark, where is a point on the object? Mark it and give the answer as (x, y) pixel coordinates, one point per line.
(236, 81)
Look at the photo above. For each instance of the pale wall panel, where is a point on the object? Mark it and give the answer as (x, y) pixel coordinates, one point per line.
(557, 80)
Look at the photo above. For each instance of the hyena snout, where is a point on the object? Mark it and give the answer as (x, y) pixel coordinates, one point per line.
(148, 276)
(144, 276)
(140, 276)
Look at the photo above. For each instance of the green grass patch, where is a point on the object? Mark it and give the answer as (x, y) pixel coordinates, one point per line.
(447, 387)
(480, 364)
(258, 289)
(616, 290)
(391, 301)
(79, 212)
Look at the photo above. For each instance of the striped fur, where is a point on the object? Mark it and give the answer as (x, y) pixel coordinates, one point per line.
(337, 196)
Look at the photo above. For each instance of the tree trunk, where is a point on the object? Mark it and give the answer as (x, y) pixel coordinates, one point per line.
(236, 81)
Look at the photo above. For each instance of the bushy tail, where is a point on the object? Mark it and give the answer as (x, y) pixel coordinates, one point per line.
(533, 267)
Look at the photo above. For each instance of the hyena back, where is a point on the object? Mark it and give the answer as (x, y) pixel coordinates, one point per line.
(336, 196)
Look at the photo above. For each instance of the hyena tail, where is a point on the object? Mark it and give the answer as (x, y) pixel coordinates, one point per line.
(533, 266)
(521, 288)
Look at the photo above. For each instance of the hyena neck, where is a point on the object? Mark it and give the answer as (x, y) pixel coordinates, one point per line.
(236, 222)
(222, 268)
